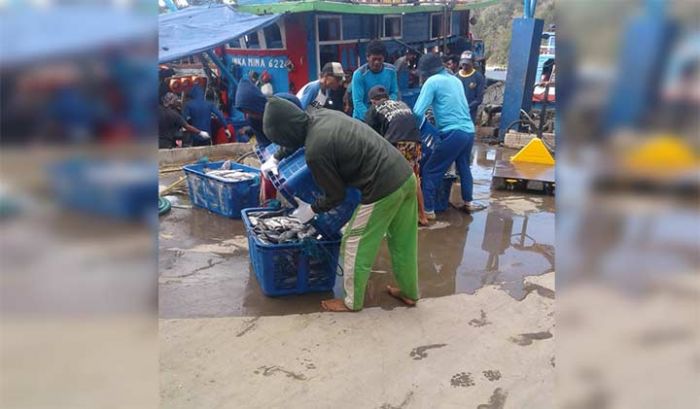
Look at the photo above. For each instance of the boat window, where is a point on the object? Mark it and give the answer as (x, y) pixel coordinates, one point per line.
(330, 28)
(392, 26)
(273, 36)
(251, 40)
(235, 44)
(436, 27)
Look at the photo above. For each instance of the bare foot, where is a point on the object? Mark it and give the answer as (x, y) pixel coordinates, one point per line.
(424, 222)
(471, 207)
(396, 293)
(334, 305)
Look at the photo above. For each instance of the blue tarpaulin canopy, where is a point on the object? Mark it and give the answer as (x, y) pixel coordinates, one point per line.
(196, 29)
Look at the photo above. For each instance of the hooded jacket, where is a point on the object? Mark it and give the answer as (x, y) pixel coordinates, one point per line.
(250, 98)
(199, 110)
(340, 152)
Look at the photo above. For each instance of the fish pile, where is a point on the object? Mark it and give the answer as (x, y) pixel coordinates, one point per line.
(231, 175)
(277, 228)
(226, 174)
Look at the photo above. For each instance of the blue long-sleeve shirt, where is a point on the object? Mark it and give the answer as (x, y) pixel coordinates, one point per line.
(199, 110)
(308, 93)
(474, 86)
(363, 79)
(444, 92)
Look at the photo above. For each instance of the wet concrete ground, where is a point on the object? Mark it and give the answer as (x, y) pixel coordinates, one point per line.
(205, 270)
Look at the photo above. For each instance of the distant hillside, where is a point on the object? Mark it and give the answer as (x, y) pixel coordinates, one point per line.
(494, 25)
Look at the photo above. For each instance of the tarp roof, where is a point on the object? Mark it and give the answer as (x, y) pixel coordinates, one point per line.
(199, 28)
(301, 6)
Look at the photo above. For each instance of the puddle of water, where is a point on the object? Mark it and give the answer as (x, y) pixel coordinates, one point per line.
(459, 253)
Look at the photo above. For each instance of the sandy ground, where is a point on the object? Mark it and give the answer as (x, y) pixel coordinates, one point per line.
(485, 351)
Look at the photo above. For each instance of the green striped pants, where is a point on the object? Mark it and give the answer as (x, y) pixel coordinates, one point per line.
(396, 216)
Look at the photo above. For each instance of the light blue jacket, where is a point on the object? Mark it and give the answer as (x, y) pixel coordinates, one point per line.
(445, 93)
(310, 93)
(363, 79)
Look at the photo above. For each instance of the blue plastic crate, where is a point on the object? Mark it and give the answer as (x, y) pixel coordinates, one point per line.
(222, 197)
(330, 222)
(292, 173)
(294, 179)
(442, 201)
(294, 268)
(429, 135)
(264, 154)
(112, 188)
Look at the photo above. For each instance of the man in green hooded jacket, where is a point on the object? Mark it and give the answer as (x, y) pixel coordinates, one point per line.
(343, 152)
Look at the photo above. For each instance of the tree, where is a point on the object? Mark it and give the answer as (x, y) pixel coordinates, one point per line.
(494, 26)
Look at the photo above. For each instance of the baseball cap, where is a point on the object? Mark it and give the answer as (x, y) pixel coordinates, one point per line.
(335, 69)
(466, 57)
(377, 91)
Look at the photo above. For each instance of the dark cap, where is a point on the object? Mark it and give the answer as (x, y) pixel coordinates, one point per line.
(377, 91)
(466, 58)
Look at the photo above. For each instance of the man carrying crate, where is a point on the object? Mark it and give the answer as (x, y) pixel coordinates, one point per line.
(341, 153)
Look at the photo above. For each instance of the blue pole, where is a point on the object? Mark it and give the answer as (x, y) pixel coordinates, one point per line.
(522, 68)
(171, 5)
(529, 7)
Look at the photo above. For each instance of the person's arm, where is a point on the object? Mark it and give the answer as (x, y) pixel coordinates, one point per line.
(424, 101)
(189, 128)
(358, 96)
(307, 97)
(327, 178)
(480, 89)
(474, 103)
(393, 86)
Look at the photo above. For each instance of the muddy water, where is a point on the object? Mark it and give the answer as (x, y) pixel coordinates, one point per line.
(205, 270)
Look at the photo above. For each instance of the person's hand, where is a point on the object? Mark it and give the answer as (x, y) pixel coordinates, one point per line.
(204, 134)
(270, 166)
(303, 212)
